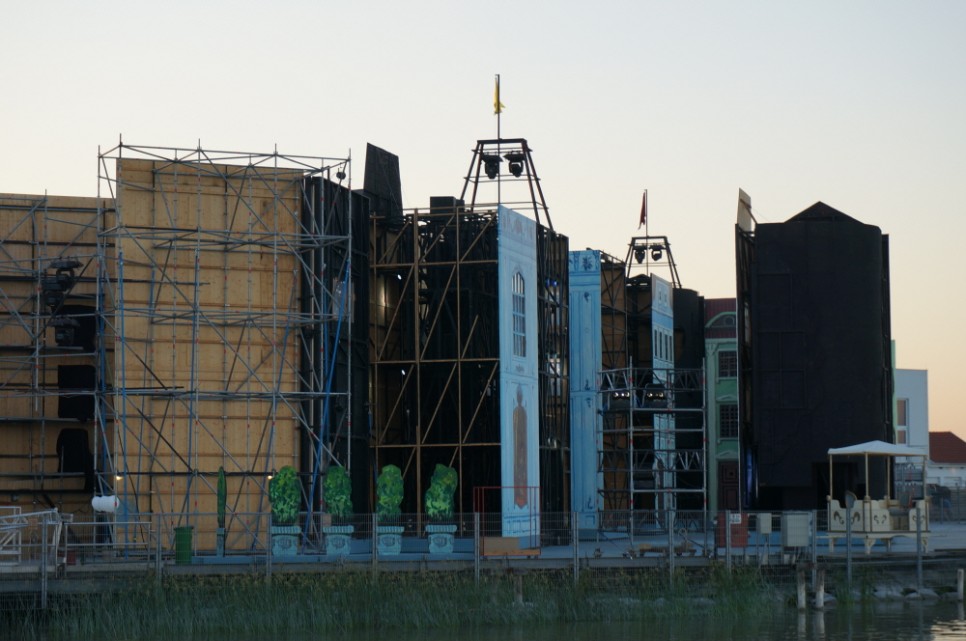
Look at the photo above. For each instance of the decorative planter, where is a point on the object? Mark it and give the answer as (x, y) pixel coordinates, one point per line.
(337, 539)
(441, 538)
(285, 540)
(389, 539)
(220, 541)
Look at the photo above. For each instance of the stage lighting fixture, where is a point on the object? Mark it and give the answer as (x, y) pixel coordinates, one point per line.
(491, 164)
(515, 158)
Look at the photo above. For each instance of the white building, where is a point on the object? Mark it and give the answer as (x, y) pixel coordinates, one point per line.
(947, 461)
(911, 412)
(910, 415)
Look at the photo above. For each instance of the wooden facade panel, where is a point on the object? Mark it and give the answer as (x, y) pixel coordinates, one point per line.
(21, 406)
(56, 223)
(207, 301)
(74, 236)
(238, 414)
(165, 453)
(134, 171)
(36, 231)
(242, 282)
(13, 333)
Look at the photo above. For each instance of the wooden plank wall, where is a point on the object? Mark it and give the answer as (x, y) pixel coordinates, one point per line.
(208, 375)
(34, 231)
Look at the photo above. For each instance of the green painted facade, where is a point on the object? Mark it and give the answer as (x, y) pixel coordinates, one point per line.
(721, 366)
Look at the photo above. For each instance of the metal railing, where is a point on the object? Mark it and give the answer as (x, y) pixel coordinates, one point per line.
(46, 546)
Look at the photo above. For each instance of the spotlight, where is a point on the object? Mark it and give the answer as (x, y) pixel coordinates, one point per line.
(64, 330)
(65, 265)
(640, 252)
(52, 293)
(657, 251)
(491, 165)
(55, 288)
(515, 158)
(340, 175)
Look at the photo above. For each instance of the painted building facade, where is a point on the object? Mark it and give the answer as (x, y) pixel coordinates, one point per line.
(721, 366)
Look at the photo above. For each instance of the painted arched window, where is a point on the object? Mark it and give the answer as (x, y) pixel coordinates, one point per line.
(519, 316)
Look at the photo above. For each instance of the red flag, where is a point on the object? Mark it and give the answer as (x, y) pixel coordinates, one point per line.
(643, 211)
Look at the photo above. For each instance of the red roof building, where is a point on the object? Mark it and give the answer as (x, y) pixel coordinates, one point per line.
(946, 448)
(947, 460)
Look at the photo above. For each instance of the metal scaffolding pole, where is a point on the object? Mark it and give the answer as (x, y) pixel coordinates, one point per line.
(206, 259)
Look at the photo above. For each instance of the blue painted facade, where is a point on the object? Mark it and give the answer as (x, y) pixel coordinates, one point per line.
(662, 360)
(519, 416)
(585, 400)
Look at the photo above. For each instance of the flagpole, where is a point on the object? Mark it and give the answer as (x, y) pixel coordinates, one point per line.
(646, 221)
(643, 220)
(499, 114)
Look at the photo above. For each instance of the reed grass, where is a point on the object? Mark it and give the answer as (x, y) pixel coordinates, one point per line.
(296, 603)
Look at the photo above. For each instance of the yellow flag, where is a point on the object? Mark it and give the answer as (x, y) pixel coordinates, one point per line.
(497, 105)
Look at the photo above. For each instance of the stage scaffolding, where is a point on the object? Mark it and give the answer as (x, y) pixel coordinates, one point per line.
(649, 463)
(48, 267)
(435, 351)
(225, 284)
(436, 339)
(613, 465)
(653, 428)
(518, 187)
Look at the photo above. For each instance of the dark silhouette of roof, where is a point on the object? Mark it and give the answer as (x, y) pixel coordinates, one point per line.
(822, 212)
(946, 447)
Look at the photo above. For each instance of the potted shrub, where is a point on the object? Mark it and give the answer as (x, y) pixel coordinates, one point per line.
(389, 492)
(285, 497)
(222, 501)
(337, 494)
(439, 509)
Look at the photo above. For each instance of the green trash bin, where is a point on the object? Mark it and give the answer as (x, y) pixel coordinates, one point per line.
(182, 545)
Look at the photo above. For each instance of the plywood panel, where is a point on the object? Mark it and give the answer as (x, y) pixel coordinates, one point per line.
(37, 230)
(222, 272)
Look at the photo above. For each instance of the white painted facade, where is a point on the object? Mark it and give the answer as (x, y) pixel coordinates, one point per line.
(911, 411)
(950, 475)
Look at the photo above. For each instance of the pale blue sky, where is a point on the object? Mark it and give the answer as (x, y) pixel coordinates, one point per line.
(859, 104)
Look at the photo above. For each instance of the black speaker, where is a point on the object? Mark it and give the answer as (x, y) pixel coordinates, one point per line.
(74, 454)
(79, 381)
(76, 326)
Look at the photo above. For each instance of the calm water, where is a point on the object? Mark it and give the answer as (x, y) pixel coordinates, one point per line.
(883, 622)
(886, 622)
(875, 622)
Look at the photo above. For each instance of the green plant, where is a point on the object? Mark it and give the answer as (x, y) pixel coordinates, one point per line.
(389, 488)
(337, 491)
(439, 496)
(283, 492)
(222, 497)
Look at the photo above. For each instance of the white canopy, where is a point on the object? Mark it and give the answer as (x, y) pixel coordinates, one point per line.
(875, 448)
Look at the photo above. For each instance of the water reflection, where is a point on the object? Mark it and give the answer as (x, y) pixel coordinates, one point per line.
(873, 622)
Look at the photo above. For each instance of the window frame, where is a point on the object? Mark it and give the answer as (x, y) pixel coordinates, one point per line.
(902, 412)
(731, 421)
(732, 370)
(518, 289)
